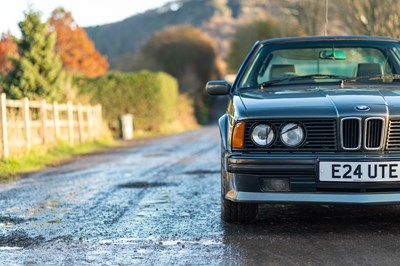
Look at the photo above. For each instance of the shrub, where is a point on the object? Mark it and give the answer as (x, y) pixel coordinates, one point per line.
(152, 98)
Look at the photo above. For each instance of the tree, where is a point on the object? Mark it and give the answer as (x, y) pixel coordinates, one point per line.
(77, 51)
(372, 17)
(37, 72)
(248, 34)
(188, 54)
(8, 49)
(310, 14)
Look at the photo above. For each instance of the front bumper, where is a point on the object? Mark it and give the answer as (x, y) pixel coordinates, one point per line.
(245, 172)
(316, 198)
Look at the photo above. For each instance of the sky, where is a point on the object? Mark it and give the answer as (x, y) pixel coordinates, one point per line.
(85, 12)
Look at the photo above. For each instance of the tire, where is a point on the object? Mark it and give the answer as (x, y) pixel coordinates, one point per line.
(235, 212)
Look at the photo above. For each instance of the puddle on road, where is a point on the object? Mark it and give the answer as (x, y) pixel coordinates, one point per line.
(45, 207)
(9, 248)
(49, 205)
(57, 221)
(153, 155)
(145, 184)
(153, 241)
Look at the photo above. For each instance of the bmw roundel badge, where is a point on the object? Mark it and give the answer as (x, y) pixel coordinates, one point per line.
(362, 108)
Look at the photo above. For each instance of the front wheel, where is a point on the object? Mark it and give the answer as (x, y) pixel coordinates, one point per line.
(236, 212)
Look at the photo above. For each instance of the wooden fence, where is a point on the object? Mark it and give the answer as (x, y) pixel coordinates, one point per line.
(25, 123)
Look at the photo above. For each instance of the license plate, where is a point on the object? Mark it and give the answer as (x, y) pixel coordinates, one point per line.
(359, 171)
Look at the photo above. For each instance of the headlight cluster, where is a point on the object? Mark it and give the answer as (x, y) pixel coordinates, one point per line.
(263, 135)
(290, 134)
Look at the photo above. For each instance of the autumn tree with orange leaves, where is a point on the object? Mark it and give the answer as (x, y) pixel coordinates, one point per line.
(8, 48)
(77, 51)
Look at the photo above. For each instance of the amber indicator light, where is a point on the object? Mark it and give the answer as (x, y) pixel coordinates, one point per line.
(238, 135)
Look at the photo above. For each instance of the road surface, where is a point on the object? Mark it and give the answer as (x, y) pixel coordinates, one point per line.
(157, 203)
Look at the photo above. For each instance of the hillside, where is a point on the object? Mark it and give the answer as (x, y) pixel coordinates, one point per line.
(121, 40)
(217, 17)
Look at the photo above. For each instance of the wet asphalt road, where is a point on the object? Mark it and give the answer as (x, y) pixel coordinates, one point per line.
(157, 203)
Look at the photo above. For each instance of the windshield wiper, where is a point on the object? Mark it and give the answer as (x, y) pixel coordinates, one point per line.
(371, 77)
(312, 76)
(387, 76)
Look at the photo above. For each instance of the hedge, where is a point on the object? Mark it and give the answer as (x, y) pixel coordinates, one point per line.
(151, 97)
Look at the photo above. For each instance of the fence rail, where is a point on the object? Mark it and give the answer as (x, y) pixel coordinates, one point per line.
(24, 123)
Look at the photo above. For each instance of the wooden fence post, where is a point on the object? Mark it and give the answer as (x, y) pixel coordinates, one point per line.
(56, 121)
(4, 129)
(81, 124)
(96, 121)
(99, 120)
(27, 124)
(70, 113)
(89, 109)
(43, 116)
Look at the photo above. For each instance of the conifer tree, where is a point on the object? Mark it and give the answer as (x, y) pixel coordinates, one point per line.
(37, 73)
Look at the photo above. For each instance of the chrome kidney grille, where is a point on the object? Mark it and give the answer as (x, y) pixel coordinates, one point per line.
(351, 133)
(353, 130)
(374, 133)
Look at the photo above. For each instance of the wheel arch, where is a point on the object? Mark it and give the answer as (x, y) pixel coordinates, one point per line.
(223, 123)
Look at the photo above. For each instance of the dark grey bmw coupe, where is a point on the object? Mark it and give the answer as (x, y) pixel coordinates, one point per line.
(311, 120)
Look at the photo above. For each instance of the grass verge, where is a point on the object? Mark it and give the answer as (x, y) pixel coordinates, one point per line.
(39, 158)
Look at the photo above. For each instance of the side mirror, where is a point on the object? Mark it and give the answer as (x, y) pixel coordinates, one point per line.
(218, 87)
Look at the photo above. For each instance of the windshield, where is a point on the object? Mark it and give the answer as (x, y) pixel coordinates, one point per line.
(326, 62)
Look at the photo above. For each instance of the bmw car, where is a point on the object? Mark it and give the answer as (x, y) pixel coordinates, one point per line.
(311, 120)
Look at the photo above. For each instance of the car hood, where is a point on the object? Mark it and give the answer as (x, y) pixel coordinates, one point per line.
(319, 102)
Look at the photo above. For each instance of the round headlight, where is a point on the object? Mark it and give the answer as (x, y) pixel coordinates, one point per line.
(292, 134)
(263, 135)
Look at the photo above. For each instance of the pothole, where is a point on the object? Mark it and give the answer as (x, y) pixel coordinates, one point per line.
(13, 220)
(145, 184)
(201, 172)
(19, 239)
